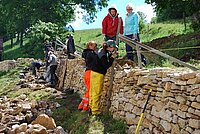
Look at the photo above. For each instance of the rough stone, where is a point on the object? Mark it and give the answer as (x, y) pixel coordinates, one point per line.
(194, 123)
(45, 121)
(195, 105)
(166, 125)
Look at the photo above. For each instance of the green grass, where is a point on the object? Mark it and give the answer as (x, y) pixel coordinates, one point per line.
(67, 116)
(70, 118)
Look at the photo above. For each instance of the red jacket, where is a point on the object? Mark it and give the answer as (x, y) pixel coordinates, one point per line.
(109, 25)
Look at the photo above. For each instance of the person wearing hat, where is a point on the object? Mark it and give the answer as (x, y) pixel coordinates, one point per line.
(110, 24)
(102, 61)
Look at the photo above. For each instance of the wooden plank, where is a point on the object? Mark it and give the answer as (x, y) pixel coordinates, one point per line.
(139, 56)
(63, 68)
(132, 43)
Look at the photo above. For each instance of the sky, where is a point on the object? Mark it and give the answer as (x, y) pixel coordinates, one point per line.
(139, 5)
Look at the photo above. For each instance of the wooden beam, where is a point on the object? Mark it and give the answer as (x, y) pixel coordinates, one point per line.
(132, 43)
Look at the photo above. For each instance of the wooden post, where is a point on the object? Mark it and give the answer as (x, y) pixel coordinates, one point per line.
(62, 74)
(139, 56)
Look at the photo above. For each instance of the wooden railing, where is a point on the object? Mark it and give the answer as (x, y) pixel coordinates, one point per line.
(136, 45)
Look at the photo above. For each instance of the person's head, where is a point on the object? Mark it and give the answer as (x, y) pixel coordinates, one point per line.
(112, 10)
(91, 45)
(46, 41)
(129, 7)
(110, 45)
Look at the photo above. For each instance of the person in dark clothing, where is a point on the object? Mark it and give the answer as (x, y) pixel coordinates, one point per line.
(50, 75)
(47, 47)
(102, 61)
(87, 55)
(35, 65)
(70, 46)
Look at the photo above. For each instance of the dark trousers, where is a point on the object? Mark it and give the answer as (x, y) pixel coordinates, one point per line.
(109, 38)
(129, 50)
(53, 78)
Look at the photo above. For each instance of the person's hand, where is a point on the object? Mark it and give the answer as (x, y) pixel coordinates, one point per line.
(134, 37)
(104, 36)
(115, 54)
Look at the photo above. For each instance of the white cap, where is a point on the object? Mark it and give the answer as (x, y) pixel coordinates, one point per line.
(113, 6)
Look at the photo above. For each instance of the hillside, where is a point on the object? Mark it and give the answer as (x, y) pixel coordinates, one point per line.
(160, 36)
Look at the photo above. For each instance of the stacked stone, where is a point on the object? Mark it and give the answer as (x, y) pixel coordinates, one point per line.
(174, 106)
(74, 75)
(17, 116)
(7, 65)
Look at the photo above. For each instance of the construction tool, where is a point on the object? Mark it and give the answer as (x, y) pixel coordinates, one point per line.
(142, 114)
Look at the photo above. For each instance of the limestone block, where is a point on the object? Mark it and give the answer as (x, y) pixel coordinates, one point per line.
(181, 82)
(183, 107)
(189, 75)
(195, 92)
(175, 129)
(37, 129)
(23, 127)
(198, 98)
(155, 119)
(168, 86)
(166, 115)
(131, 129)
(136, 110)
(181, 114)
(45, 121)
(197, 131)
(194, 81)
(167, 79)
(171, 105)
(166, 125)
(182, 122)
(189, 129)
(167, 94)
(195, 105)
(146, 123)
(197, 112)
(175, 118)
(174, 86)
(128, 107)
(194, 123)
(131, 119)
(154, 112)
(181, 99)
(142, 80)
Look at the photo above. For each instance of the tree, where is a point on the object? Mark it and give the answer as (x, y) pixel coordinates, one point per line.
(22, 14)
(172, 9)
(142, 20)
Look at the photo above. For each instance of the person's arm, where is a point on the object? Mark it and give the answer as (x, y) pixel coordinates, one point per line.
(104, 26)
(121, 27)
(107, 62)
(136, 23)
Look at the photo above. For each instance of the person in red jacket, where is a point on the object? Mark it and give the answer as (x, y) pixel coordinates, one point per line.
(110, 24)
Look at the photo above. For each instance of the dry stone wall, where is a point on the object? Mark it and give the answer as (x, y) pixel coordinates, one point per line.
(174, 105)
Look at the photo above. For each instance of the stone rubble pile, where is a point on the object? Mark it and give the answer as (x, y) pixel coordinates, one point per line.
(7, 65)
(31, 117)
